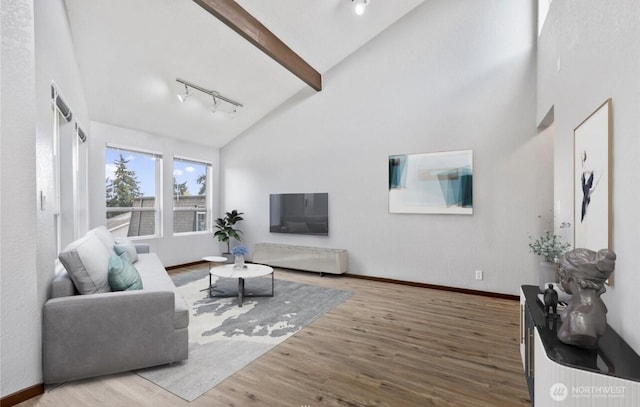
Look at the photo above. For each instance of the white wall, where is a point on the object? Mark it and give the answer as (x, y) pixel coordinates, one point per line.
(171, 249)
(19, 304)
(25, 284)
(451, 75)
(588, 52)
(55, 62)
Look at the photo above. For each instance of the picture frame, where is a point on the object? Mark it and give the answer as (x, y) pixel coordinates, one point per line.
(431, 183)
(592, 180)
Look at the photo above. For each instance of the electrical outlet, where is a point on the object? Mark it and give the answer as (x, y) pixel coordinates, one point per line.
(478, 274)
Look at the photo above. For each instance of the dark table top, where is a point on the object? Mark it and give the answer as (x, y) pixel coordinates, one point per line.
(614, 357)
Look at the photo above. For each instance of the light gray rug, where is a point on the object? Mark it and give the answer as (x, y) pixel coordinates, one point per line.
(224, 338)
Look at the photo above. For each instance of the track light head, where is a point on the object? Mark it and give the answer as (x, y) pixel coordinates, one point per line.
(360, 6)
(214, 106)
(183, 96)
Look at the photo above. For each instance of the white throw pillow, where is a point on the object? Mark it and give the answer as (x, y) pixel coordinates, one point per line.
(124, 246)
(105, 237)
(87, 263)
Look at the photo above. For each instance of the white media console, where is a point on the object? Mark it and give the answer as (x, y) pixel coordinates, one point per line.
(318, 259)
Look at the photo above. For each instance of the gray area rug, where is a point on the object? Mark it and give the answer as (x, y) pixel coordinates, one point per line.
(224, 338)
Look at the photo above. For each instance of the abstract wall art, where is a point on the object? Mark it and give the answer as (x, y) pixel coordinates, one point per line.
(591, 180)
(440, 183)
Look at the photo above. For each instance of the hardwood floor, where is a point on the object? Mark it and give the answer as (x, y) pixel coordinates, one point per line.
(388, 345)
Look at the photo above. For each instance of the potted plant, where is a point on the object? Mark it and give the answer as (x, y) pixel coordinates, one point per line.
(550, 247)
(226, 230)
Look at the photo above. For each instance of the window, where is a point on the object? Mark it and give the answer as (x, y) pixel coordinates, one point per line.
(70, 169)
(132, 185)
(191, 196)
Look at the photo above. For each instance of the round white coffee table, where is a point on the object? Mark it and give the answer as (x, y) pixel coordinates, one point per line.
(249, 271)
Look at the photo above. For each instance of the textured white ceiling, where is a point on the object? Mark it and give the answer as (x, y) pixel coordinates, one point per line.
(131, 51)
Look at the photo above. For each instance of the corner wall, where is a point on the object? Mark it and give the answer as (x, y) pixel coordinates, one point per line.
(588, 52)
(451, 75)
(19, 303)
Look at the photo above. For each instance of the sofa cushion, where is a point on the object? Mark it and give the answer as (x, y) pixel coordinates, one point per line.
(155, 278)
(123, 246)
(123, 275)
(87, 260)
(105, 237)
(62, 286)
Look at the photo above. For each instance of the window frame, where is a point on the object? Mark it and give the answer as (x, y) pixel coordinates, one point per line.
(208, 207)
(158, 207)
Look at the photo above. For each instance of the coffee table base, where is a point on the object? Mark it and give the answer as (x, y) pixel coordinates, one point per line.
(241, 294)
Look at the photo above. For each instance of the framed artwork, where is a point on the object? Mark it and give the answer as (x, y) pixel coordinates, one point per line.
(592, 180)
(431, 183)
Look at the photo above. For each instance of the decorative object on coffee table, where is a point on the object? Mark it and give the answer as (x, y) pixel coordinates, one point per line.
(239, 252)
(550, 247)
(583, 273)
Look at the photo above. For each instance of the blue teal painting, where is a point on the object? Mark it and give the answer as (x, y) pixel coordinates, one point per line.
(431, 183)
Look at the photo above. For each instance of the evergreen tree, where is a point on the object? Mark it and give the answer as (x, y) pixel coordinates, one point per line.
(123, 188)
(202, 181)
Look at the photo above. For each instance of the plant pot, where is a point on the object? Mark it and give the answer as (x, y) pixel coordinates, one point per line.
(547, 273)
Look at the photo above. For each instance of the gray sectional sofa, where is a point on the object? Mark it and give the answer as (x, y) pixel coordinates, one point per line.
(101, 332)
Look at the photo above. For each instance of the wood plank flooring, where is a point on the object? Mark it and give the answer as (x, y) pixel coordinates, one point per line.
(388, 345)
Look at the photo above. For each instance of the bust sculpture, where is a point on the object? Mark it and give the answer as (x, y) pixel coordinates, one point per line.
(582, 273)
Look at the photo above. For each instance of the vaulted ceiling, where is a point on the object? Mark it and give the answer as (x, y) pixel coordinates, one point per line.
(130, 53)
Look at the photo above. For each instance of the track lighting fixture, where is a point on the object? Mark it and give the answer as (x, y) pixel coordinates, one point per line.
(359, 6)
(216, 103)
(183, 96)
(217, 97)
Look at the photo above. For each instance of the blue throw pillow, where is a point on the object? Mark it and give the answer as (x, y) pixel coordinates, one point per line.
(123, 275)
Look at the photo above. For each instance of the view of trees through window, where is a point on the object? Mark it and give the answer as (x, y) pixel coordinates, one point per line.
(131, 179)
(190, 200)
(123, 187)
(131, 185)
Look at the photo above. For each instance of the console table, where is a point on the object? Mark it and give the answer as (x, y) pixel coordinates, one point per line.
(567, 376)
(318, 259)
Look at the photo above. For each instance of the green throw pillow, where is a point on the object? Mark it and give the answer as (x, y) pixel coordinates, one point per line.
(123, 275)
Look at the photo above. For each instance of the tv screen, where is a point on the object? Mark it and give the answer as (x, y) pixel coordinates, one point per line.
(304, 214)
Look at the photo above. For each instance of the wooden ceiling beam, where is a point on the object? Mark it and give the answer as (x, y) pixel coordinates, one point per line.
(239, 20)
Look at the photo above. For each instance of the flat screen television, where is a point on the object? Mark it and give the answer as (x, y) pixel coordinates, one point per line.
(304, 214)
